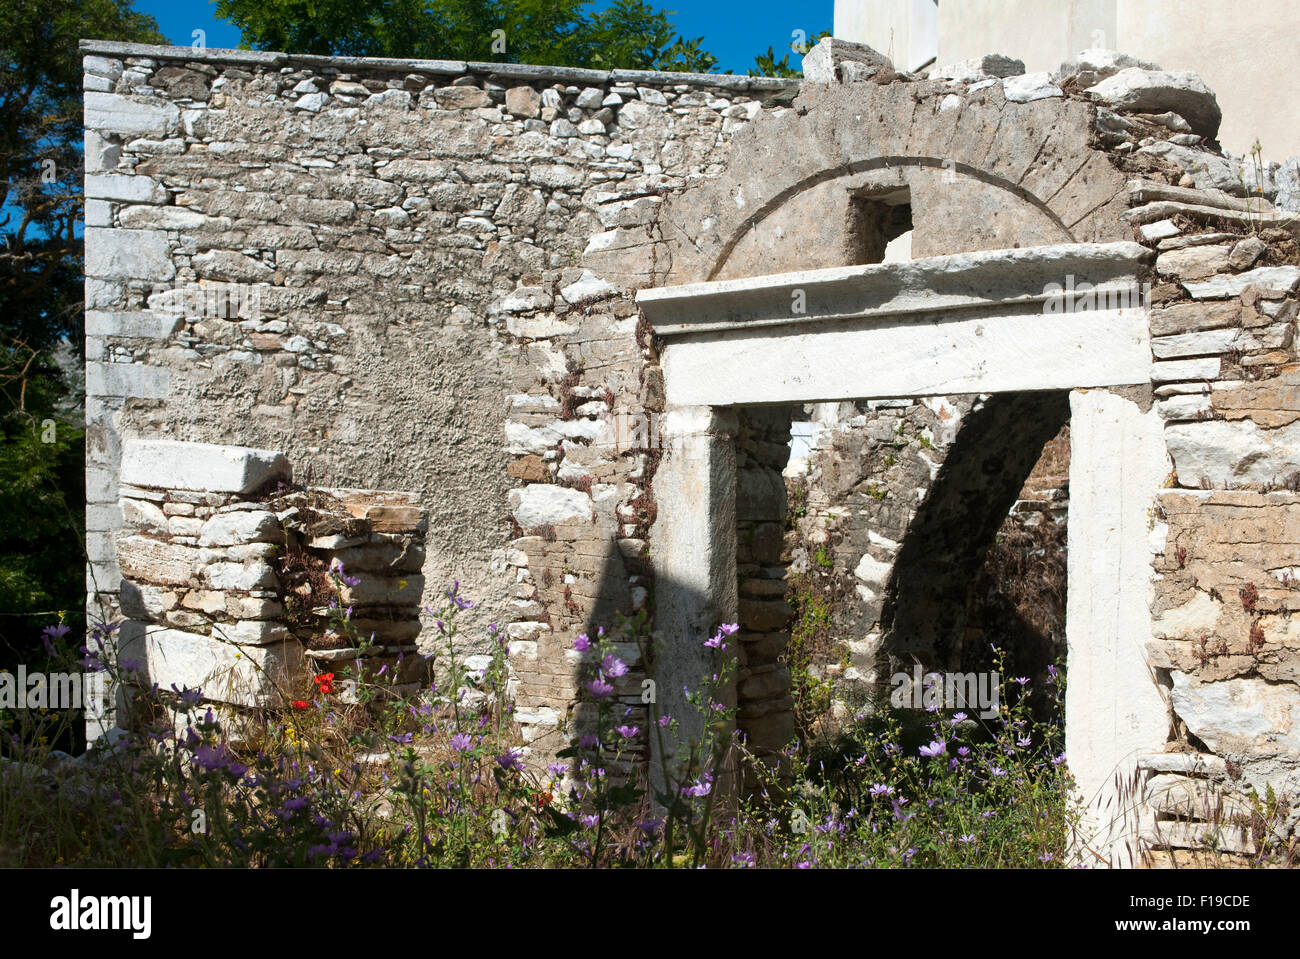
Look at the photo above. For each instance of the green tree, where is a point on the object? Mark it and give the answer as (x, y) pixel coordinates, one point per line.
(630, 34)
(767, 65)
(41, 441)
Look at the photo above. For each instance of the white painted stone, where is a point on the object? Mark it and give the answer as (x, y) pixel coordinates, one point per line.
(127, 379)
(1185, 407)
(1194, 344)
(1249, 716)
(1114, 707)
(150, 326)
(99, 213)
(1234, 452)
(1168, 370)
(545, 504)
(125, 188)
(101, 154)
(1029, 87)
(1275, 279)
(122, 116)
(244, 526)
(587, 286)
(128, 254)
(170, 464)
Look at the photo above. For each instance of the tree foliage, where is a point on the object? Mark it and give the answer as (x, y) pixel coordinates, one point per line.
(41, 442)
(630, 34)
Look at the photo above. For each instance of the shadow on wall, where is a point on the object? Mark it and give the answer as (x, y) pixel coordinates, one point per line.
(940, 562)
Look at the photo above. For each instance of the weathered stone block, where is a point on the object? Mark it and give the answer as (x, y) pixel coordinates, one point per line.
(168, 464)
(128, 254)
(225, 672)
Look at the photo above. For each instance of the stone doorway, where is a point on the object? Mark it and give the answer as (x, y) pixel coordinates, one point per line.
(991, 323)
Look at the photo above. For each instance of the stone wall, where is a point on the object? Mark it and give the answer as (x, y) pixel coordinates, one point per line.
(421, 275)
(231, 577)
(381, 268)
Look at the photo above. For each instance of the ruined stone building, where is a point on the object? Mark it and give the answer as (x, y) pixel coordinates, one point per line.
(569, 318)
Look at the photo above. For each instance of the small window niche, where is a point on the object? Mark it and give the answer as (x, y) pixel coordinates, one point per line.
(880, 227)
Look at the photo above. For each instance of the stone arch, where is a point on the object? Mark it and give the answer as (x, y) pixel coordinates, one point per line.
(872, 164)
(1035, 165)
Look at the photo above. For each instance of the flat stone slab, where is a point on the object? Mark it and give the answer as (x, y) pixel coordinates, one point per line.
(205, 467)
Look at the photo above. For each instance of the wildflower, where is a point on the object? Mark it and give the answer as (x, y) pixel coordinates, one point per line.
(453, 594)
(588, 741)
(589, 820)
(613, 667)
(300, 704)
(963, 751)
(936, 748)
(461, 742)
(1025, 741)
(326, 683)
(582, 643)
(627, 732)
(650, 825)
(557, 769)
(599, 688)
(701, 787)
(664, 720)
(880, 789)
(959, 717)
(1022, 680)
(510, 759)
(997, 770)
(967, 838)
(337, 567)
(1051, 675)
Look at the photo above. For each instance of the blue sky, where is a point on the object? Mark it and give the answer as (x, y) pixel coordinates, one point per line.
(734, 30)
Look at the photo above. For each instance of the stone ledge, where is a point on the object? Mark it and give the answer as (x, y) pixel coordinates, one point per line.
(522, 71)
(956, 281)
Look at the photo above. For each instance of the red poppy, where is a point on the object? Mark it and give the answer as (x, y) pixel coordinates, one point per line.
(543, 799)
(326, 683)
(299, 704)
